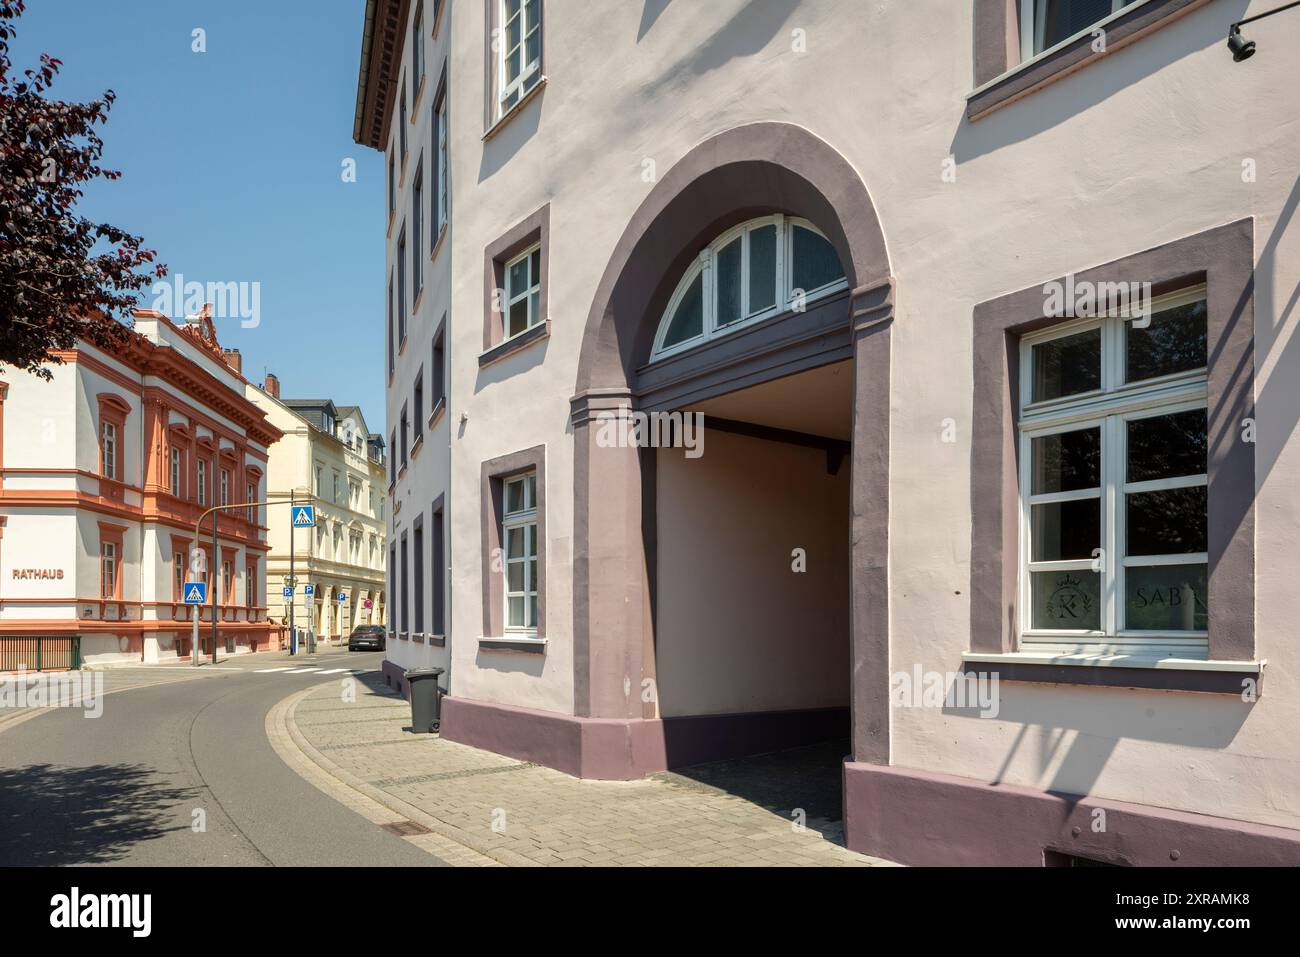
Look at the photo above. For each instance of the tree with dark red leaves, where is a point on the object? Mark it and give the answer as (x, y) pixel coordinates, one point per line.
(62, 276)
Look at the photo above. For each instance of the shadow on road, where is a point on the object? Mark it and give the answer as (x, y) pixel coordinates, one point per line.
(51, 816)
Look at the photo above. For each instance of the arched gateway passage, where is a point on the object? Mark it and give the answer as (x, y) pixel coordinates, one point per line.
(813, 381)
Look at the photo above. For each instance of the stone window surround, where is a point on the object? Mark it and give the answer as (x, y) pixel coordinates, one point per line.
(1223, 258)
(114, 410)
(1001, 77)
(534, 230)
(495, 472)
(113, 534)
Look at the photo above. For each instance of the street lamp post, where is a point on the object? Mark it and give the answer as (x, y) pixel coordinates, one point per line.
(216, 557)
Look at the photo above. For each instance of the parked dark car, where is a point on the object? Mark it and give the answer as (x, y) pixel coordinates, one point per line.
(366, 638)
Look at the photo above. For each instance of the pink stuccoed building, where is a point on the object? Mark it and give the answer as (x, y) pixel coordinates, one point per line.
(986, 307)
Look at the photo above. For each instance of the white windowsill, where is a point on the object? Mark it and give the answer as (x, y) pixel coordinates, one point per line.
(1114, 661)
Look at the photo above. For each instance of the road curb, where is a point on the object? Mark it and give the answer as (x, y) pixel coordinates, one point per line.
(375, 804)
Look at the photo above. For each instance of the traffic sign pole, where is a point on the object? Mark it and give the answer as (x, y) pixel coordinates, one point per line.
(293, 600)
(216, 562)
(198, 524)
(194, 639)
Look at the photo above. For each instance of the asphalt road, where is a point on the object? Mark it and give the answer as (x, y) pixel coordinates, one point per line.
(123, 788)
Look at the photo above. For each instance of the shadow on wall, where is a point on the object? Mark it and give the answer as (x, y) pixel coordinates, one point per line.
(54, 816)
(1067, 97)
(501, 148)
(650, 12)
(510, 662)
(1092, 725)
(1278, 395)
(1089, 733)
(747, 33)
(503, 370)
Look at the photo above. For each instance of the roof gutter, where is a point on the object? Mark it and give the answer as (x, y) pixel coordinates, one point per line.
(363, 78)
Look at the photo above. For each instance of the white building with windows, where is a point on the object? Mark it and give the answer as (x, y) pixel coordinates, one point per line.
(330, 458)
(104, 470)
(986, 307)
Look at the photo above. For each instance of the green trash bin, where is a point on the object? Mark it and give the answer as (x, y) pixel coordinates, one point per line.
(426, 699)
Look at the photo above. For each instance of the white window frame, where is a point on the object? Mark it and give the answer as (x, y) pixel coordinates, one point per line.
(526, 519)
(1109, 408)
(1033, 25)
(705, 263)
(417, 231)
(108, 570)
(440, 195)
(529, 73)
(177, 473)
(202, 475)
(511, 296)
(417, 45)
(223, 480)
(108, 449)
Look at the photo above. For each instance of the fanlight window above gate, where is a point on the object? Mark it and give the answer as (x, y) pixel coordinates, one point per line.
(751, 272)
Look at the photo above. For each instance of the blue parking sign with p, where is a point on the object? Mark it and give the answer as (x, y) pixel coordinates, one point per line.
(196, 593)
(304, 516)
(287, 592)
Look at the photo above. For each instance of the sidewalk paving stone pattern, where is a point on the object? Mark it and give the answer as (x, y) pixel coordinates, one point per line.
(730, 813)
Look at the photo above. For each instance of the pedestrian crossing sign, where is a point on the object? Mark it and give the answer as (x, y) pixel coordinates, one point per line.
(196, 593)
(304, 516)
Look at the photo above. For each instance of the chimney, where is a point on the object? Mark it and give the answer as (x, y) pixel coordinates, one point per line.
(271, 386)
(233, 359)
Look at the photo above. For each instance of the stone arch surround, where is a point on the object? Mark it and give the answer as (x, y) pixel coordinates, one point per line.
(743, 172)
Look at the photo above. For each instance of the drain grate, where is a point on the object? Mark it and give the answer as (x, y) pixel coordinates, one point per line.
(405, 828)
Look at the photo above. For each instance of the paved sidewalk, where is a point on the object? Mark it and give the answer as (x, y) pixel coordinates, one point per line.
(504, 811)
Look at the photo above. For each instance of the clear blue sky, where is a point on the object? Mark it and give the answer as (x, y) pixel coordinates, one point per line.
(231, 163)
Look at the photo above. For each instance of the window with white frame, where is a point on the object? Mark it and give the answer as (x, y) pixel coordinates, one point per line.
(1113, 484)
(108, 570)
(108, 449)
(401, 289)
(520, 43)
(523, 292)
(175, 460)
(225, 487)
(1045, 23)
(401, 125)
(178, 575)
(203, 482)
(417, 46)
(440, 165)
(519, 535)
(751, 272)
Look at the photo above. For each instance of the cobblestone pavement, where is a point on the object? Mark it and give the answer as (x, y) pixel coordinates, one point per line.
(502, 811)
